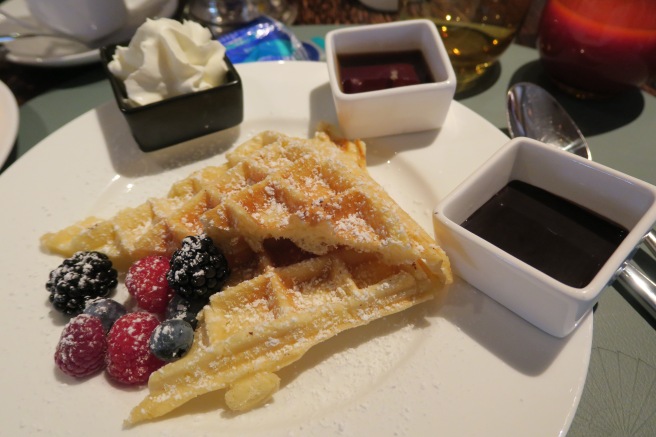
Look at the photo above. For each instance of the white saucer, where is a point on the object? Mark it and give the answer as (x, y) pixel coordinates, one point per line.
(8, 122)
(51, 52)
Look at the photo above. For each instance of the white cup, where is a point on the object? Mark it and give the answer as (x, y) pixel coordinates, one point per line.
(87, 20)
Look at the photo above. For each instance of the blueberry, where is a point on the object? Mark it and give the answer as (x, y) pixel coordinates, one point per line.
(107, 310)
(185, 309)
(171, 340)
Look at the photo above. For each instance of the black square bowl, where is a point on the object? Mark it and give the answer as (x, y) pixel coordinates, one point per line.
(181, 118)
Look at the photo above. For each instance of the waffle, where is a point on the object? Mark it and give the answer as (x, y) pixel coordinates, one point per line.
(253, 329)
(157, 226)
(315, 246)
(319, 200)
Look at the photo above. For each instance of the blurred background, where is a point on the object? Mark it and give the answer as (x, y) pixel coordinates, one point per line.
(27, 81)
(356, 12)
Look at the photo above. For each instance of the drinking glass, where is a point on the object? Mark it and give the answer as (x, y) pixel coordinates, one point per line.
(598, 48)
(475, 32)
(225, 15)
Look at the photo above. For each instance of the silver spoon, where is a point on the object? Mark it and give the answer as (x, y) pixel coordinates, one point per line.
(532, 112)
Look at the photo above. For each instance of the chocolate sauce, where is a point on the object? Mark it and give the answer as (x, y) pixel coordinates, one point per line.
(362, 72)
(554, 235)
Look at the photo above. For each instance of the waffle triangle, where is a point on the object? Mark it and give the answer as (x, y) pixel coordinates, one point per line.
(316, 247)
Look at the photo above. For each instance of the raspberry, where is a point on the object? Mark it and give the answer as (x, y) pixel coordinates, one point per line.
(82, 346)
(146, 282)
(129, 360)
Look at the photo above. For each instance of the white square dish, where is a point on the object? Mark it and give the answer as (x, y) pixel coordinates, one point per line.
(538, 297)
(397, 109)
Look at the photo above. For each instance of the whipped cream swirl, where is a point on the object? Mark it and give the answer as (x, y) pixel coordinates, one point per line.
(167, 58)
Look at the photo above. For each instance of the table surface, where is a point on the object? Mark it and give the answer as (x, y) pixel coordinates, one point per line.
(621, 135)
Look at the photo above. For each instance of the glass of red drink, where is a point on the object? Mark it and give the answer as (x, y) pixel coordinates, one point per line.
(600, 47)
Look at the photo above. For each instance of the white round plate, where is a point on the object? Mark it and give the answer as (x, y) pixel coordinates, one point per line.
(54, 52)
(463, 367)
(8, 122)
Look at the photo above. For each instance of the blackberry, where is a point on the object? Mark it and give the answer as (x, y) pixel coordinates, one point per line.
(198, 268)
(185, 309)
(84, 276)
